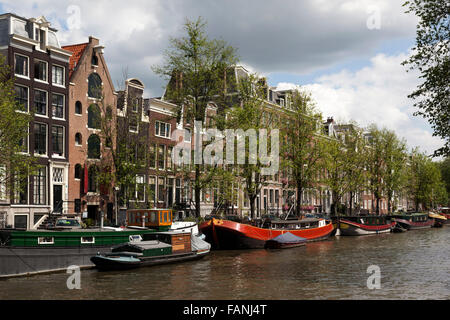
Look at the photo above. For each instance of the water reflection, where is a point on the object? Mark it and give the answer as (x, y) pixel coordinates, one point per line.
(414, 265)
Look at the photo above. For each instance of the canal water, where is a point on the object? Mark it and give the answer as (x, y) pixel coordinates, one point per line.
(412, 265)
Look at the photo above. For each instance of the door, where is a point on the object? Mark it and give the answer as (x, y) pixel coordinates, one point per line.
(57, 198)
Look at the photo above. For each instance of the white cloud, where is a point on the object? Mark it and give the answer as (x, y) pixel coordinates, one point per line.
(374, 94)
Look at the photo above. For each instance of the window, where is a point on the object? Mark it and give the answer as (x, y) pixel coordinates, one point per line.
(40, 186)
(40, 138)
(94, 147)
(46, 240)
(162, 129)
(58, 140)
(40, 102)
(152, 155)
(187, 135)
(58, 75)
(22, 97)
(140, 188)
(152, 184)
(161, 158)
(178, 190)
(92, 179)
(20, 189)
(2, 183)
(78, 139)
(94, 60)
(78, 171)
(58, 106)
(94, 117)
(40, 70)
(23, 143)
(20, 65)
(94, 86)
(87, 240)
(78, 107)
(169, 157)
(161, 193)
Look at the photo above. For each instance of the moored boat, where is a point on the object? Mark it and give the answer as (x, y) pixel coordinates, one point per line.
(413, 221)
(364, 225)
(27, 252)
(227, 234)
(439, 220)
(152, 252)
(445, 211)
(284, 241)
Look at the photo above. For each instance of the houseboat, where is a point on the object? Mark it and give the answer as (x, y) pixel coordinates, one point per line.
(412, 221)
(164, 248)
(227, 234)
(27, 252)
(364, 225)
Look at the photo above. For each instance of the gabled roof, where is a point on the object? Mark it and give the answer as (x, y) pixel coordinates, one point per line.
(77, 50)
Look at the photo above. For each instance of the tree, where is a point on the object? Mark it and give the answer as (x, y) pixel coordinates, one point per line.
(303, 149)
(425, 181)
(444, 166)
(394, 155)
(195, 68)
(15, 162)
(249, 115)
(432, 58)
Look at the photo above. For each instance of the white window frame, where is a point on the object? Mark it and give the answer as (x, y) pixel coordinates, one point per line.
(46, 140)
(28, 66)
(63, 106)
(55, 155)
(46, 72)
(157, 134)
(43, 240)
(46, 107)
(63, 76)
(83, 241)
(28, 98)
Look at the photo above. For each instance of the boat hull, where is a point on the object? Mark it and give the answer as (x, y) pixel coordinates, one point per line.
(22, 261)
(103, 263)
(225, 234)
(410, 225)
(277, 245)
(350, 228)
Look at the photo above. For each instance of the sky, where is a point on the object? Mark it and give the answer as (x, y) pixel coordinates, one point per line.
(347, 53)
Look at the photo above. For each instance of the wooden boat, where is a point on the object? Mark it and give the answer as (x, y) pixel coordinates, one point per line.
(439, 220)
(445, 211)
(227, 234)
(27, 252)
(413, 221)
(284, 241)
(364, 225)
(152, 252)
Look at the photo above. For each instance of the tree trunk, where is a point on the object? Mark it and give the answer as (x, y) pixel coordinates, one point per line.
(197, 189)
(351, 202)
(252, 206)
(299, 197)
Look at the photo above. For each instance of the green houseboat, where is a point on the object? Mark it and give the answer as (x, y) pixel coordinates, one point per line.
(27, 252)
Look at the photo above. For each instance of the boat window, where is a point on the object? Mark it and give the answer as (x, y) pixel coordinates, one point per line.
(135, 238)
(46, 240)
(153, 217)
(146, 217)
(87, 239)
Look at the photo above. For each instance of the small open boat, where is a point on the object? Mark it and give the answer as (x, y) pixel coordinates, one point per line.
(364, 225)
(284, 241)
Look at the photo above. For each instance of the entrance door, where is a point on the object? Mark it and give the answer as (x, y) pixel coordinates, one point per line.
(92, 212)
(57, 198)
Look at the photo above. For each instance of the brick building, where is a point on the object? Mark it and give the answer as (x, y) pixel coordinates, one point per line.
(41, 69)
(92, 99)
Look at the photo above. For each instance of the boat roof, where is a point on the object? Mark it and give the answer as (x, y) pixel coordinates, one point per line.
(288, 237)
(143, 245)
(296, 221)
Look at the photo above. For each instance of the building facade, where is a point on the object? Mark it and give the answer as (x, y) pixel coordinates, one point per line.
(41, 69)
(92, 101)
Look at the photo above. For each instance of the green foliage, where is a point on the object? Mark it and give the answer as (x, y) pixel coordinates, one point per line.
(196, 68)
(431, 57)
(16, 164)
(304, 146)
